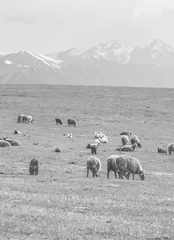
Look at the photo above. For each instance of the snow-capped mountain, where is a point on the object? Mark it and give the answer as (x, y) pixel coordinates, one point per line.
(109, 63)
(110, 51)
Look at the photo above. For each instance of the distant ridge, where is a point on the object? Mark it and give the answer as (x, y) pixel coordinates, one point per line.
(110, 63)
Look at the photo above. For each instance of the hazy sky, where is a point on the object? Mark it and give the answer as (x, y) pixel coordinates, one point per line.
(53, 25)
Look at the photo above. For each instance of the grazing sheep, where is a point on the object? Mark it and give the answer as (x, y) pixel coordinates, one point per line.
(4, 143)
(161, 150)
(57, 150)
(170, 148)
(94, 165)
(27, 119)
(94, 146)
(126, 133)
(135, 139)
(111, 165)
(124, 139)
(72, 122)
(128, 164)
(127, 148)
(57, 120)
(13, 142)
(34, 168)
(17, 132)
(20, 118)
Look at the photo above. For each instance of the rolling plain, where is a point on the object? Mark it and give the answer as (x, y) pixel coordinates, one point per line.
(61, 203)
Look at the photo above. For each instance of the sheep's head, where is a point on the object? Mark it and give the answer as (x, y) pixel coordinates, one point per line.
(134, 146)
(88, 146)
(142, 175)
(139, 145)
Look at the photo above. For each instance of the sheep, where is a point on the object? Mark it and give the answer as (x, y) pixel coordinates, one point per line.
(127, 148)
(103, 139)
(128, 164)
(170, 148)
(124, 139)
(126, 133)
(4, 143)
(17, 132)
(135, 139)
(13, 142)
(69, 135)
(33, 167)
(94, 165)
(94, 146)
(99, 135)
(161, 150)
(111, 165)
(57, 150)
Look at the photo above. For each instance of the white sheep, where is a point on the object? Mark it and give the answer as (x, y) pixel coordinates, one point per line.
(111, 165)
(124, 139)
(99, 135)
(170, 148)
(128, 164)
(135, 139)
(127, 148)
(94, 165)
(69, 135)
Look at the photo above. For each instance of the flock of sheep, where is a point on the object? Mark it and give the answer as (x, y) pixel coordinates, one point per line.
(123, 165)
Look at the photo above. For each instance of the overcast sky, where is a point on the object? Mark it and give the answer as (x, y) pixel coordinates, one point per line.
(54, 25)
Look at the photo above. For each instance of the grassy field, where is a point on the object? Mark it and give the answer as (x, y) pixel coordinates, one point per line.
(61, 202)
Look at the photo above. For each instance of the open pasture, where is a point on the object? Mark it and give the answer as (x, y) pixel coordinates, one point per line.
(61, 202)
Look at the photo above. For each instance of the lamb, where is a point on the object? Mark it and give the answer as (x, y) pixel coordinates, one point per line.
(127, 148)
(94, 165)
(135, 139)
(170, 148)
(94, 146)
(161, 150)
(128, 164)
(111, 165)
(124, 139)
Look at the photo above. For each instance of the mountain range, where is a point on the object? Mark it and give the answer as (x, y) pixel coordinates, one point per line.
(110, 63)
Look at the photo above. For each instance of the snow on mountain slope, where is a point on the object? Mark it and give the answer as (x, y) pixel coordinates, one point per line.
(110, 51)
(162, 53)
(34, 60)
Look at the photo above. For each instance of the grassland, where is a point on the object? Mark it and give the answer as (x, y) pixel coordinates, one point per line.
(61, 203)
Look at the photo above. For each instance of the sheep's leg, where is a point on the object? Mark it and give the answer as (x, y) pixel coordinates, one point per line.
(87, 172)
(132, 176)
(108, 174)
(128, 175)
(115, 174)
(120, 175)
(93, 173)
